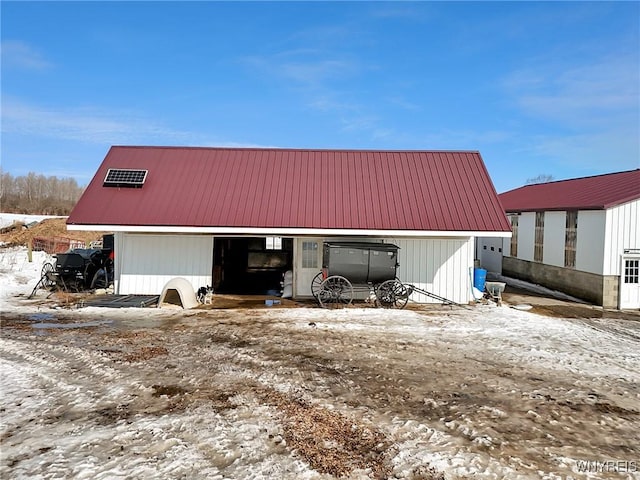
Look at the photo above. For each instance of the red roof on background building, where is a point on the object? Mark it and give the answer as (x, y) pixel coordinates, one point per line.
(589, 193)
(284, 188)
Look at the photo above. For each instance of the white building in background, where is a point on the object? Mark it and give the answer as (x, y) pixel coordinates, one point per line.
(579, 236)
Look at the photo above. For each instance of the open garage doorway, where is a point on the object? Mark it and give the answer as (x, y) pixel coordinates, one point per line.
(251, 265)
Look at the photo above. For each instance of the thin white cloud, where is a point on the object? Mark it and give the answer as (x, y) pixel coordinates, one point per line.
(617, 149)
(359, 123)
(21, 55)
(316, 77)
(328, 103)
(591, 110)
(453, 139)
(306, 68)
(101, 127)
(602, 92)
(327, 36)
(313, 72)
(403, 11)
(84, 124)
(353, 117)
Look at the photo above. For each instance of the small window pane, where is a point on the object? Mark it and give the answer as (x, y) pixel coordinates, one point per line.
(273, 243)
(309, 254)
(632, 271)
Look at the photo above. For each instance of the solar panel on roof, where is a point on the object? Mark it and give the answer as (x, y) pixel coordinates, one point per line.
(125, 177)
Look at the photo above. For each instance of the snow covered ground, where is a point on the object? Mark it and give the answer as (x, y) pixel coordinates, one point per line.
(478, 392)
(539, 289)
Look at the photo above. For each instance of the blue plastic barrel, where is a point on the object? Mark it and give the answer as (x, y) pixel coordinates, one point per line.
(479, 278)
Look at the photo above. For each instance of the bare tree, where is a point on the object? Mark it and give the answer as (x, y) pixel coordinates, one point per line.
(38, 194)
(542, 178)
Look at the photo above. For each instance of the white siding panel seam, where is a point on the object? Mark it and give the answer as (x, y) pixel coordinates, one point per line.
(622, 225)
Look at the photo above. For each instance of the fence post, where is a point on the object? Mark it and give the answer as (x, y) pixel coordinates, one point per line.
(30, 251)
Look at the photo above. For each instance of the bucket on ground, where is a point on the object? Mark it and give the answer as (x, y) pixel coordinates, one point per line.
(479, 278)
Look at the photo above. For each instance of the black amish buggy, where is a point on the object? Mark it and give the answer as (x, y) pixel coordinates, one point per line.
(352, 267)
(368, 268)
(78, 269)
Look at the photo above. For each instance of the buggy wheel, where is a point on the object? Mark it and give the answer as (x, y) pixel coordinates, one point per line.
(392, 294)
(315, 285)
(99, 280)
(335, 292)
(47, 269)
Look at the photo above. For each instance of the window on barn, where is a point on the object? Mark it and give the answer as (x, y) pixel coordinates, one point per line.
(273, 243)
(570, 238)
(539, 237)
(632, 271)
(514, 236)
(309, 254)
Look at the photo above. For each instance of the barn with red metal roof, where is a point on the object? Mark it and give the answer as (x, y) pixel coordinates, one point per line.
(588, 193)
(238, 218)
(580, 236)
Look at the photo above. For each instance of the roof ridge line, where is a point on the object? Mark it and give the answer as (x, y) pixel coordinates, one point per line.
(292, 149)
(579, 178)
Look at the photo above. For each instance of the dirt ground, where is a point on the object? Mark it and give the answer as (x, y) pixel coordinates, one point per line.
(254, 392)
(48, 228)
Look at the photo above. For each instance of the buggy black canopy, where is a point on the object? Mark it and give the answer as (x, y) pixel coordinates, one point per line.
(361, 262)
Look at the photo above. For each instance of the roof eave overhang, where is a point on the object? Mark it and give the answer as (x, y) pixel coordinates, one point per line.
(565, 208)
(510, 211)
(286, 232)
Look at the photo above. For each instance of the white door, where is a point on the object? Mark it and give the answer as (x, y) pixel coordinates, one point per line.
(490, 254)
(308, 263)
(630, 282)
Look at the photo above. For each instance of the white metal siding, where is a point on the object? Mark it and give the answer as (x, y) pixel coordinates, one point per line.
(439, 266)
(590, 240)
(526, 235)
(147, 262)
(622, 232)
(118, 247)
(506, 248)
(554, 235)
(602, 237)
(506, 241)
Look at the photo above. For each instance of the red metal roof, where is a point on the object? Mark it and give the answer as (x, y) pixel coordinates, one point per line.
(589, 193)
(284, 188)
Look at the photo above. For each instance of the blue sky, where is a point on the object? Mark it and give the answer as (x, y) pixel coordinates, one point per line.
(537, 87)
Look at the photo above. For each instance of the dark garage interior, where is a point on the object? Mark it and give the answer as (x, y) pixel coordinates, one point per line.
(251, 265)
